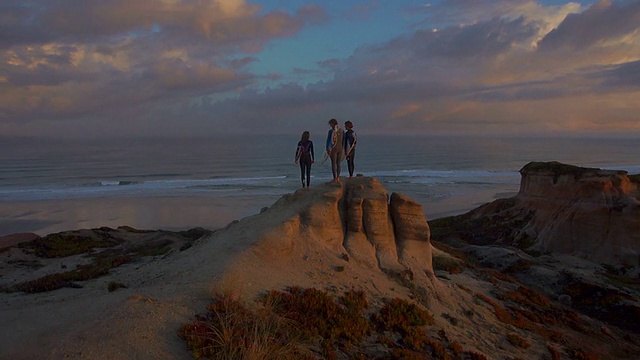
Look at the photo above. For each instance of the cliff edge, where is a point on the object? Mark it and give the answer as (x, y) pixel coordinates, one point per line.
(587, 212)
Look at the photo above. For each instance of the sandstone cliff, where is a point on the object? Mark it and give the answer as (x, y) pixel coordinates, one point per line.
(350, 225)
(587, 212)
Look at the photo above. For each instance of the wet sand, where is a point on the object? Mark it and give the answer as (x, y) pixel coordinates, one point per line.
(207, 211)
(168, 213)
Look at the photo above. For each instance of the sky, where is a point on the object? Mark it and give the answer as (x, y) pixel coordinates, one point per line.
(114, 68)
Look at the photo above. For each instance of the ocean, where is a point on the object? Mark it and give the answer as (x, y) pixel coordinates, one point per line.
(51, 185)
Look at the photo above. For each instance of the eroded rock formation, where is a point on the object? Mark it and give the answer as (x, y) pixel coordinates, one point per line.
(358, 218)
(587, 212)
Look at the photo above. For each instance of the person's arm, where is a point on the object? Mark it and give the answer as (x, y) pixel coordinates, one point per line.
(329, 140)
(349, 147)
(298, 150)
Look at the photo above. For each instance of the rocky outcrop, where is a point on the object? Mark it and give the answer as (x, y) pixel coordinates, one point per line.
(587, 212)
(561, 182)
(411, 230)
(357, 218)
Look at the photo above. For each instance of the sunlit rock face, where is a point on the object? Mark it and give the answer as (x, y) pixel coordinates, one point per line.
(356, 217)
(591, 213)
(588, 212)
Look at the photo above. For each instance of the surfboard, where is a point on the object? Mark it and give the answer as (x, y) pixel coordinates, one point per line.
(325, 157)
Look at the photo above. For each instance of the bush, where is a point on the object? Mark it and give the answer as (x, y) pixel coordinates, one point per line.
(231, 331)
(518, 341)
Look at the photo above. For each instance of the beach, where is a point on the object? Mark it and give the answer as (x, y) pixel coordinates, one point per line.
(169, 213)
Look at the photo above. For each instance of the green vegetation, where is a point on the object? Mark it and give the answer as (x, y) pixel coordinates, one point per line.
(62, 245)
(67, 279)
(107, 248)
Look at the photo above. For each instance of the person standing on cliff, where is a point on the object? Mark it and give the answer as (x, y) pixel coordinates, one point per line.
(335, 149)
(305, 157)
(350, 141)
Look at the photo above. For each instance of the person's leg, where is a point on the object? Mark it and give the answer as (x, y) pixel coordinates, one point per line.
(339, 157)
(335, 165)
(351, 162)
(302, 172)
(308, 168)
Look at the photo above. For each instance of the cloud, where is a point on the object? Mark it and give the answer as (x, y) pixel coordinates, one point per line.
(487, 76)
(183, 67)
(621, 77)
(68, 59)
(600, 25)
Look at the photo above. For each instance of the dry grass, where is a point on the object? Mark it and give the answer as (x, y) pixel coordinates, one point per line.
(313, 324)
(232, 331)
(518, 341)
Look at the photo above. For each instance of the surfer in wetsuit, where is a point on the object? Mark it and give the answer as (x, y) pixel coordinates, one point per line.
(334, 147)
(305, 157)
(350, 141)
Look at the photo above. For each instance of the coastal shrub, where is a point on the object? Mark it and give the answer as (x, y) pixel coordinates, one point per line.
(320, 316)
(536, 307)
(405, 278)
(454, 252)
(471, 355)
(457, 349)
(406, 354)
(525, 297)
(606, 304)
(63, 245)
(516, 317)
(114, 285)
(579, 354)
(66, 279)
(308, 323)
(157, 247)
(400, 315)
(555, 354)
(448, 264)
(452, 320)
(518, 341)
(355, 301)
(195, 233)
(230, 330)
(495, 275)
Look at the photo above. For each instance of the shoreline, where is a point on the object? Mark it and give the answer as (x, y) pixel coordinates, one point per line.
(176, 213)
(45, 217)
